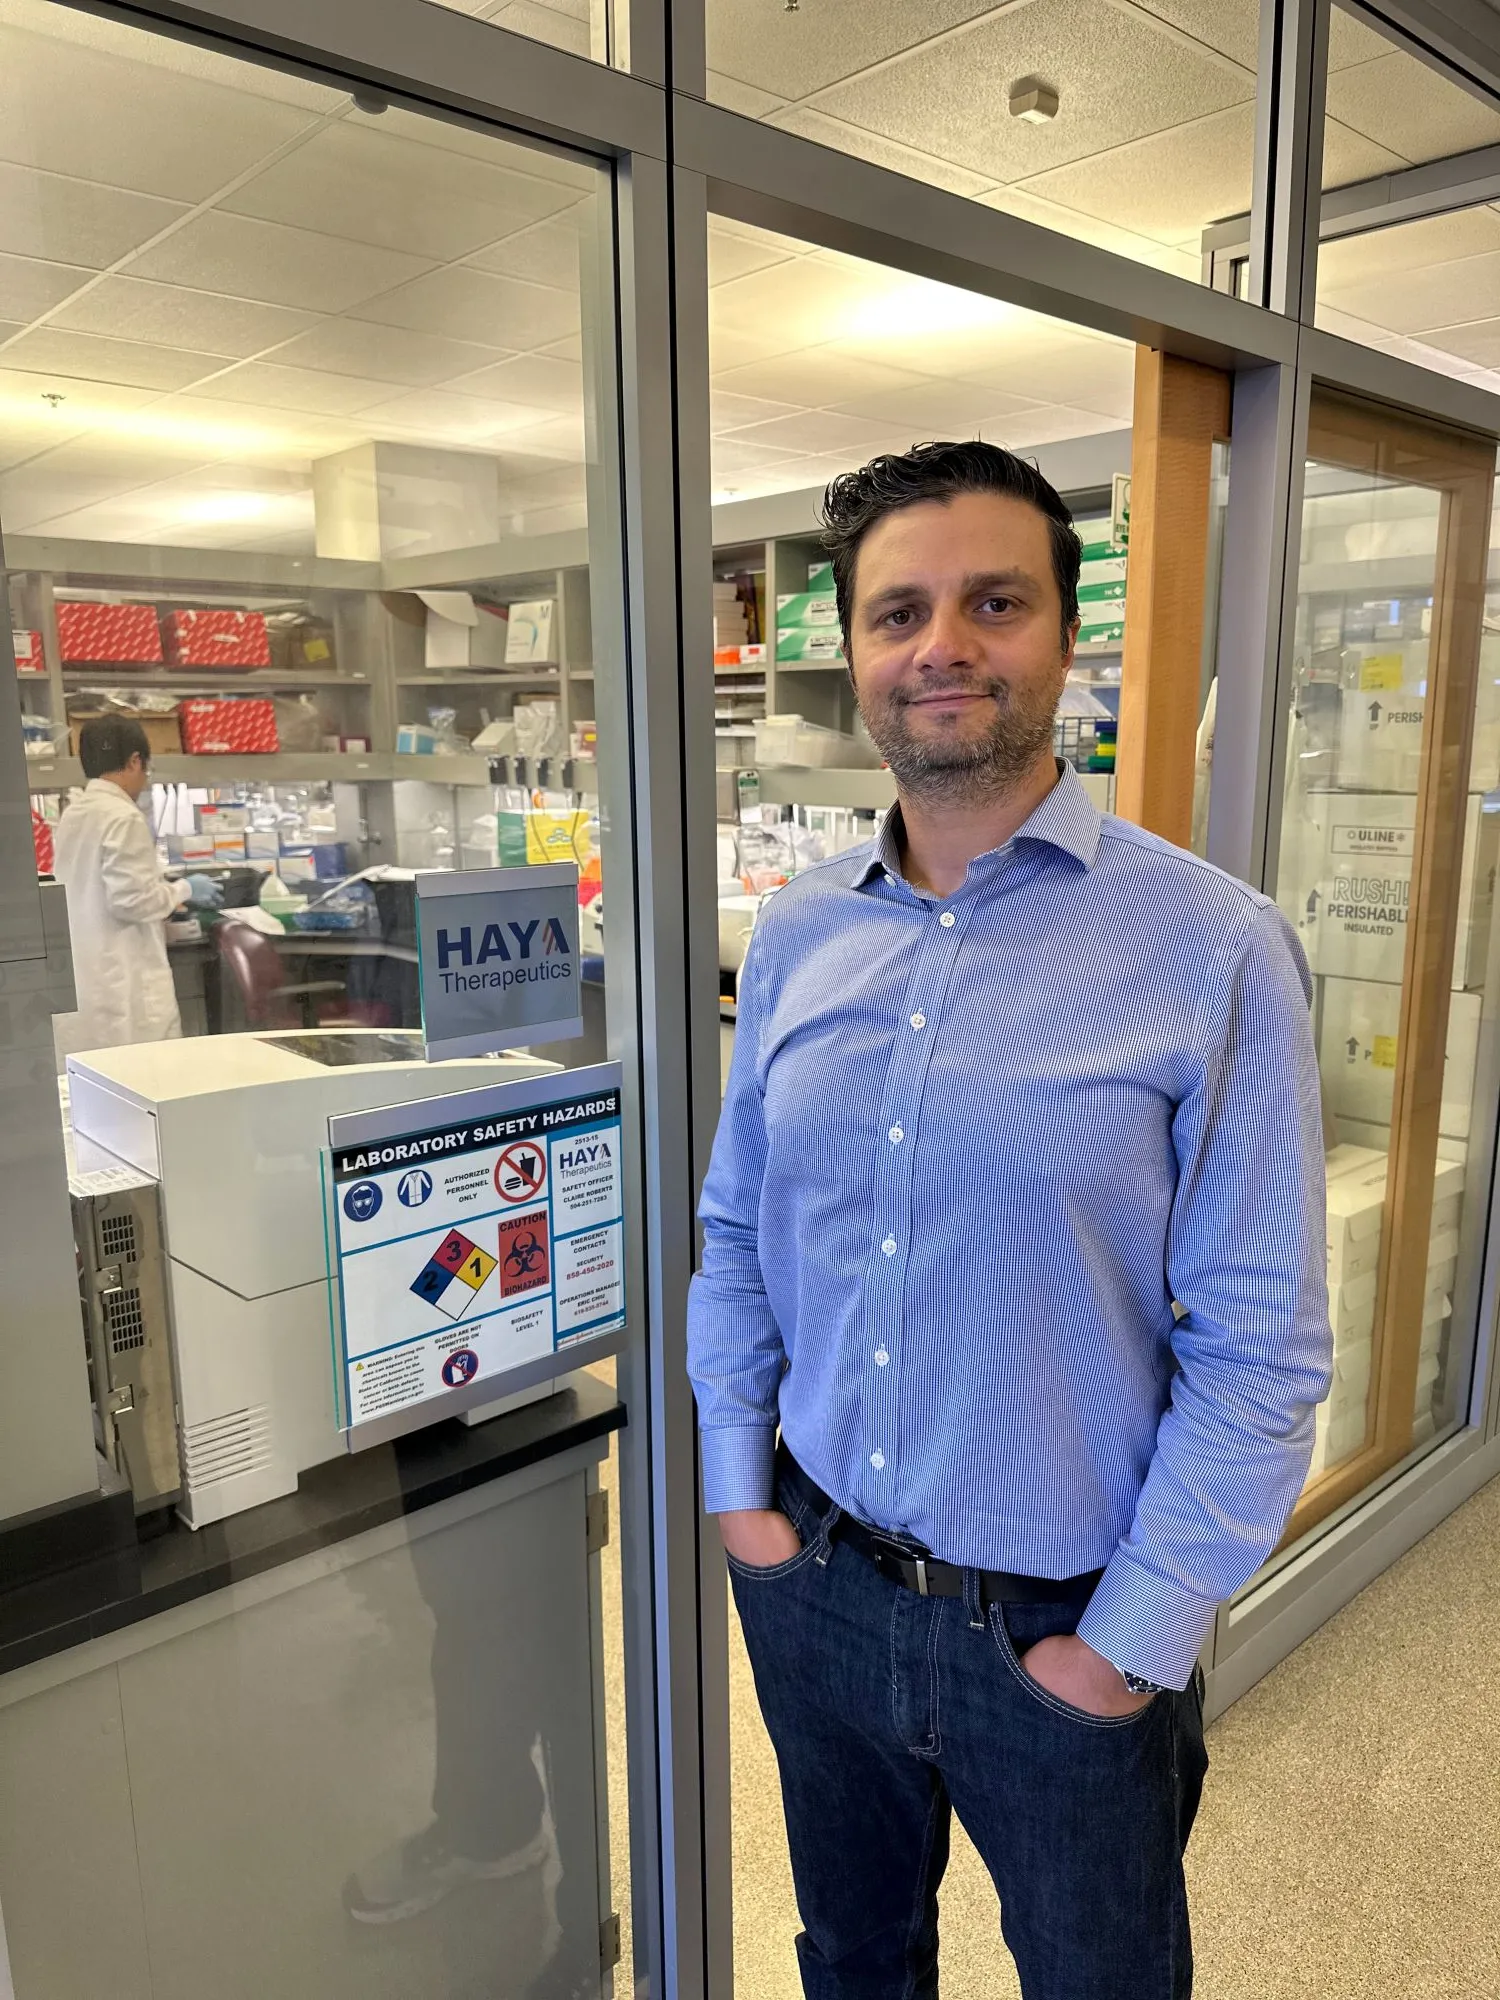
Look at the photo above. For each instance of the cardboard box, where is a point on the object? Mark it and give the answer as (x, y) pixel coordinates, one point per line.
(163, 732)
(415, 739)
(820, 577)
(215, 639)
(297, 862)
(191, 849)
(799, 609)
(229, 846)
(261, 844)
(213, 728)
(1358, 1045)
(808, 644)
(530, 636)
(121, 635)
(1346, 875)
(27, 647)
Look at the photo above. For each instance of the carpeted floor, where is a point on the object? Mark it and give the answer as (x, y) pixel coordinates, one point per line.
(1349, 1843)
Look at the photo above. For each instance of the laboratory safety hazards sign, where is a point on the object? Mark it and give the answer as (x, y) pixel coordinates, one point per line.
(471, 1235)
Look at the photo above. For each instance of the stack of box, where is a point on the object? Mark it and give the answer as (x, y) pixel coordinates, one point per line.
(1356, 1210)
(807, 626)
(731, 619)
(27, 647)
(119, 635)
(1101, 591)
(234, 727)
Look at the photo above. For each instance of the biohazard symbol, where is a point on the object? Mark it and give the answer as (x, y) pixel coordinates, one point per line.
(525, 1253)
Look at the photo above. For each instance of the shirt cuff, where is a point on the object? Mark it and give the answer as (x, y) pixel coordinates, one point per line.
(1145, 1625)
(739, 1467)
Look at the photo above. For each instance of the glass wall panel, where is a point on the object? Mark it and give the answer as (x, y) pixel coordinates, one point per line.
(818, 362)
(1126, 125)
(1387, 868)
(295, 489)
(1427, 289)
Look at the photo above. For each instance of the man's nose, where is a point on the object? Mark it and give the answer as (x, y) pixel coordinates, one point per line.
(945, 643)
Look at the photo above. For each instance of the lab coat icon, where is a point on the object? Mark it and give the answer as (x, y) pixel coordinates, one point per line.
(414, 1187)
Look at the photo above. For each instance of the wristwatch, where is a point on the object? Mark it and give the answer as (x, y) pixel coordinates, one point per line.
(1138, 1686)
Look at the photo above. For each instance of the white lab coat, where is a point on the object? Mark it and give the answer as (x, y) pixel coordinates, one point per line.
(118, 901)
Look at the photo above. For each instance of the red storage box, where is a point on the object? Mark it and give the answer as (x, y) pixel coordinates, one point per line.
(216, 638)
(28, 651)
(217, 728)
(117, 635)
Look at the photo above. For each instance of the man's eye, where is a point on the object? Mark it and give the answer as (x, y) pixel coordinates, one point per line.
(999, 604)
(899, 618)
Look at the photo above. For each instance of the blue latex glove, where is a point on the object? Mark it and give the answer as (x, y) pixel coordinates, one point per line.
(208, 893)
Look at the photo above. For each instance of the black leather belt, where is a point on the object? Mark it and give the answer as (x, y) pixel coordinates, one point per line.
(909, 1564)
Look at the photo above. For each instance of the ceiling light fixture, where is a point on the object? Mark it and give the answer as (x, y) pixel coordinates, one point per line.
(1033, 100)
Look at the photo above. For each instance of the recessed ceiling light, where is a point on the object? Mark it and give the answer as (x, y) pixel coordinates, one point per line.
(1033, 100)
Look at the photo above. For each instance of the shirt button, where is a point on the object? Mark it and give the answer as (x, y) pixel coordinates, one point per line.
(889, 1246)
(896, 1135)
(947, 920)
(919, 1020)
(877, 1459)
(881, 1357)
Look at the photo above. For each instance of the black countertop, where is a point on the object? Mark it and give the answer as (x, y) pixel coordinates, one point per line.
(337, 1500)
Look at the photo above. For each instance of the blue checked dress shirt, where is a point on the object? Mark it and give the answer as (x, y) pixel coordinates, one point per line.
(1015, 1219)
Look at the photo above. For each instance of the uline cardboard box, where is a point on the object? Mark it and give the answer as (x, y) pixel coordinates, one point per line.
(1347, 871)
(1357, 1047)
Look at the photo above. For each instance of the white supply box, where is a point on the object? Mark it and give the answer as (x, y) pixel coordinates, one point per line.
(529, 639)
(234, 1128)
(1346, 874)
(1357, 1048)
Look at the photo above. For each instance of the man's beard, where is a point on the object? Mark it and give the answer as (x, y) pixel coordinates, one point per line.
(962, 766)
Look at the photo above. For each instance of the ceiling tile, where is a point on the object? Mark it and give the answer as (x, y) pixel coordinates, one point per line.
(1349, 156)
(544, 380)
(384, 353)
(741, 97)
(732, 255)
(549, 171)
(1120, 76)
(1439, 295)
(1230, 26)
(375, 186)
(172, 316)
(464, 304)
(1023, 355)
(554, 438)
(939, 409)
(102, 117)
(568, 349)
(1350, 41)
(796, 304)
(1477, 342)
(1030, 206)
(73, 222)
(246, 259)
(808, 121)
(814, 430)
(1409, 246)
(558, 27)
(277, 437)
(29, 287)
(1051, 426)
(547, 253)
(790, 53)
(811, 378)
(280, 388)
(437, 413)
(1401, 103)
(52, 350)
(1166, 185)
(29, 424)
(732, 454)
(728, 412)
(117, 38)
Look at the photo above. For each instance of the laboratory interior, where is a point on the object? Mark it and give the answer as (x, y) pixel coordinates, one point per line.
(414, 421)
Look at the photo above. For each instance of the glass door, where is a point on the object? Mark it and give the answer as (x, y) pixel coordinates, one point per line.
(1389, 825)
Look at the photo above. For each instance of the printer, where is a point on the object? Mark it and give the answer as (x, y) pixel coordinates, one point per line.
(233, 1130)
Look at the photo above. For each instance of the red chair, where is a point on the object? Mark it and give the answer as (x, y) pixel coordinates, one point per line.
(269, 999)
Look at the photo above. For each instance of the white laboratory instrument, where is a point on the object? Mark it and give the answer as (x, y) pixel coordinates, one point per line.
(233, 1129)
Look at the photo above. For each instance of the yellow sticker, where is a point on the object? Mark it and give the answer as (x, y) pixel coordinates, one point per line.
(317, 649)
(1382, 670)
(1383, 1054)
(476, 1268)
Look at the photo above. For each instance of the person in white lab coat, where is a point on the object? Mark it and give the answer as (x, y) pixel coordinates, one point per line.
(118, 898)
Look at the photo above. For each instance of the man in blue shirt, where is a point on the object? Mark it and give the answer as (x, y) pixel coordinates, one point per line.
(1014, 1227)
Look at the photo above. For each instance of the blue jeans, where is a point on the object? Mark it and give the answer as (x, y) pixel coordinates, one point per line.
(889, 1712)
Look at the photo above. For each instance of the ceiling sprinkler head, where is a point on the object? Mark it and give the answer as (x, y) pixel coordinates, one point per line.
(52, 398)
(1033, 100)
(792, 6)
(370, 102)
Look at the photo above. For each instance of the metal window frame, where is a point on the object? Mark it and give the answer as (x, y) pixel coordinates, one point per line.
(676, 158)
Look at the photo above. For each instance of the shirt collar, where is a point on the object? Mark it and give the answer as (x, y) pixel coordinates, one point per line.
(1067, 819)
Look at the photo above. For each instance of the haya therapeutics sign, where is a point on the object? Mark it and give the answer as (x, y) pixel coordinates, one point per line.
(498, 958)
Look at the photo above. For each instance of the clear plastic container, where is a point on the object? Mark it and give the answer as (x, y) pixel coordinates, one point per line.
(788, 739)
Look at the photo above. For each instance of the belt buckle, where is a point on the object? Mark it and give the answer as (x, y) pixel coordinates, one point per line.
(902, 1552)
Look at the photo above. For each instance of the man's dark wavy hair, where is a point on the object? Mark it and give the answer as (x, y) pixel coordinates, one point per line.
(855, 501)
